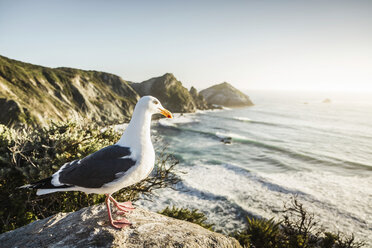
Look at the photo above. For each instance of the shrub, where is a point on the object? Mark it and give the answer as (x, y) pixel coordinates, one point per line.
(299, 226)
(332, 240)
(30, 155)
(260, 233)
(297, 229)
(193, 216)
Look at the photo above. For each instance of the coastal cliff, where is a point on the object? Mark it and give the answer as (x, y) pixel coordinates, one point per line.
(199, 100)
(169, 91)
(35, 95)
(89, 227)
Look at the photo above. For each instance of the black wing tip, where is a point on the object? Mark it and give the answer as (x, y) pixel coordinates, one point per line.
(43, 184)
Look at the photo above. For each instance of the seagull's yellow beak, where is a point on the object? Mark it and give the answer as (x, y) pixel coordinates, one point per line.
(166, 113)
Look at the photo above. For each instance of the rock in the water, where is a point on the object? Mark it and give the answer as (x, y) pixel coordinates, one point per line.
(89, 227)
(225, 95)
(327, 100)
(169, 91)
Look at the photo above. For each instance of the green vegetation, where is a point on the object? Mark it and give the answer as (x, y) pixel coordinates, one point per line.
(193, 216)
(33, 95)
(297, 229)
(259, 233)
(29, 155)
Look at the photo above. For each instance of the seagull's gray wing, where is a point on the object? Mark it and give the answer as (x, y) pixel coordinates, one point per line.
(98, 168)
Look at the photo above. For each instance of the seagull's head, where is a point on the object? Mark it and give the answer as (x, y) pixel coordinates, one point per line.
(153, 105)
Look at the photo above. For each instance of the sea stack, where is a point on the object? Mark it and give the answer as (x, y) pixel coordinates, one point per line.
(226, 95)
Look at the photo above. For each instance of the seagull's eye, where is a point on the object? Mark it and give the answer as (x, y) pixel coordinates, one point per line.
(155, 102)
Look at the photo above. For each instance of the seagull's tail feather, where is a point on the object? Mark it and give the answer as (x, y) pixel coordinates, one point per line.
(45, 186)
(48, 191)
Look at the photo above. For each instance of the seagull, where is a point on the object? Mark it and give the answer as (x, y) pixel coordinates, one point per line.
(114, 167)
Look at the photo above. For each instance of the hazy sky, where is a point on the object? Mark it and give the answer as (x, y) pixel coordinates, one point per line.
(300, 45)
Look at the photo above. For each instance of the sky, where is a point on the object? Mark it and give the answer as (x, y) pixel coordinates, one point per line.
(265, 45)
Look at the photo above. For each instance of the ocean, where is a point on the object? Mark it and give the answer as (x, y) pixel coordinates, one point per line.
(251, 161)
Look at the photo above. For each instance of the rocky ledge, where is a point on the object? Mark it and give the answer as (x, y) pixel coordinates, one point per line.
(89, 227)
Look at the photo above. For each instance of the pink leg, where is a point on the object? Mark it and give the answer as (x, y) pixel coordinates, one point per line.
(115, 223)
(123, 206)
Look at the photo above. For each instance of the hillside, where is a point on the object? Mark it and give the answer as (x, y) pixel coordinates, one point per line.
(36, 95)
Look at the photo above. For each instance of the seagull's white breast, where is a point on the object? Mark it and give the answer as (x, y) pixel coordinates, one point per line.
(145, 158)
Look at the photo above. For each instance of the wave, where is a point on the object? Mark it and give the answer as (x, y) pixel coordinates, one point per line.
(199, 111)
(178, 119)
(328, 130)
(322, 130)
(241, 139)
(245, 119)
(312, 158)
(248, 120)
(302, 156)
(256, 183)
(348, 164)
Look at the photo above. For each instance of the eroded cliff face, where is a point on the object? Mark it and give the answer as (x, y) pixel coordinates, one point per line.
(89, 227)
(199, 100)
(169, 91)
(225, 95)
(36, 95)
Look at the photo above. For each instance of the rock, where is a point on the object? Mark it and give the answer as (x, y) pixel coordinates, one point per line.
(89, 227)
(327, 100)
(43, 94)
(199, 100)
(226, 140)
(169, 91)
(226, 95)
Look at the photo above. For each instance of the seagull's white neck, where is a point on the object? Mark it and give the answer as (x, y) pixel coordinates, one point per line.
(137, 134)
